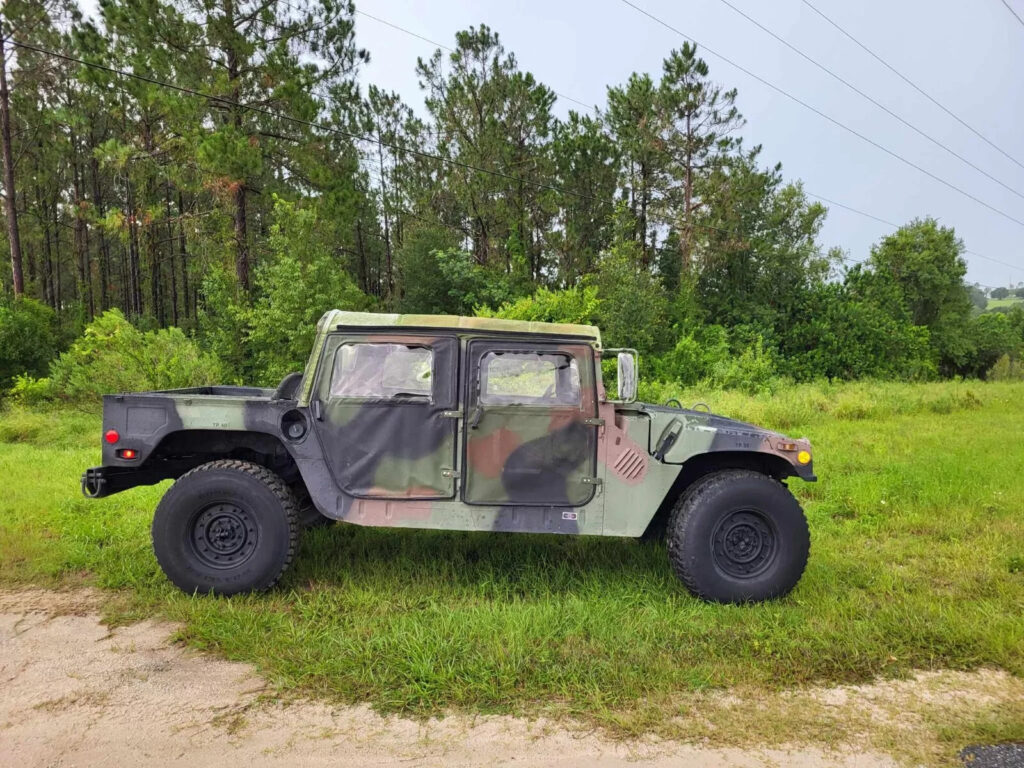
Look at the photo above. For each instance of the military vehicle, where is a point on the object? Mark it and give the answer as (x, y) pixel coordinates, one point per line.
(458, 423)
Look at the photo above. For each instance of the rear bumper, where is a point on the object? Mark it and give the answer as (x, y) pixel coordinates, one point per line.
(98, 482)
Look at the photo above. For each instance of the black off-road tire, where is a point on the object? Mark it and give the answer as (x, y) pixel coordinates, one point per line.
(226, 527)
(738, 536)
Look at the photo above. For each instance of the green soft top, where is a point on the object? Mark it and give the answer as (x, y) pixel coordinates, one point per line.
(337, 317)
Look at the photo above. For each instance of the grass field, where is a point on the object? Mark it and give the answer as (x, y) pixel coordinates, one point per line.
(1010, 301)
(917, 562)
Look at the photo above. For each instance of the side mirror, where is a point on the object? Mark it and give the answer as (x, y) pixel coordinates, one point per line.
(626, 376)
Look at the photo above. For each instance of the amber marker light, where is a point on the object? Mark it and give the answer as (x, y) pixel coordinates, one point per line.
(804, 457)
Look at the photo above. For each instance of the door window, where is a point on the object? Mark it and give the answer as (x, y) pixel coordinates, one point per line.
(529, 378)
(382, 372)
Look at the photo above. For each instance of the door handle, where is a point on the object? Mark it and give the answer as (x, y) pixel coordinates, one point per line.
(475, 417)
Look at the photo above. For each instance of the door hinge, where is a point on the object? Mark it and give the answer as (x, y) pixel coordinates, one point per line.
(451, 414)
(450, 473)
(591, 480)
(594, 422)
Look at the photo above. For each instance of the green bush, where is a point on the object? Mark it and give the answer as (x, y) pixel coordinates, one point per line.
(115, 356)
(573, 305)
(28, 339)
(1006, 368)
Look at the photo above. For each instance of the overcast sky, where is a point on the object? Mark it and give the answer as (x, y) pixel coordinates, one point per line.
(968, 55)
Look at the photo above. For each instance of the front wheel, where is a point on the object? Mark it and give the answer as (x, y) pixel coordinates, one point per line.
(226, 527)
(738, 536)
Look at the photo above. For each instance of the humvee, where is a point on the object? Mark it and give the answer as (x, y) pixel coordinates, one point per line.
(458, 423)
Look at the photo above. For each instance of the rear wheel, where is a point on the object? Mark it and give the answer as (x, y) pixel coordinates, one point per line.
(738, 536)
(226, 527)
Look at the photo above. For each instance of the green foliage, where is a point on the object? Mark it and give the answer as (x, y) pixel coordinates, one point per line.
(1000, 293)
(298, 282)
(573, 305)
(634, 310)
(28, 339)
(450, 282)
(847, 331)
(990, 336)
(115, 356)
(1006, 368)
(925, 261)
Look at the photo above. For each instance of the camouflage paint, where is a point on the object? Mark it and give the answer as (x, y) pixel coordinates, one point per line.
(408, 465)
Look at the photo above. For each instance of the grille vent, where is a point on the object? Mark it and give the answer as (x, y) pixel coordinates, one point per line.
(629, 465)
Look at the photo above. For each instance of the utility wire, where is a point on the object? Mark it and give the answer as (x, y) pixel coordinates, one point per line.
(309, 123)
(819, 197)
(897, 226)
(359, 137)
(452, 50)
(1010, 9)
(869, 98)
(823, 115)
(323, 127)
(914, 85)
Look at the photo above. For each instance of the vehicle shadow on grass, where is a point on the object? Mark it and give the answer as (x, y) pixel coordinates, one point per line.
(522, 564)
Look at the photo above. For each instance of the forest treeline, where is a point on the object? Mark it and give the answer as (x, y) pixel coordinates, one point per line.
(271, 183)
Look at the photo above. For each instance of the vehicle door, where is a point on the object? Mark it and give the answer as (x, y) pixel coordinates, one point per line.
(530, 429)
(385, 414)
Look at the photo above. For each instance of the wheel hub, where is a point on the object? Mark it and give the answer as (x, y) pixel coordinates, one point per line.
(744, 544)
(223, 535)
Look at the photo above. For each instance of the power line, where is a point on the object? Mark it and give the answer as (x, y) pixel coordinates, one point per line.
(359, 137)
(330, 129)
(1010, 9)
(299, 121)
(897, 226)
(452, 50)
(869, 98)
(825, 199)
(823, 115)
(914, 85)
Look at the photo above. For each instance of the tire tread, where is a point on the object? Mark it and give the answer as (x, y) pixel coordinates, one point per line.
(275, 484)
(689, 504)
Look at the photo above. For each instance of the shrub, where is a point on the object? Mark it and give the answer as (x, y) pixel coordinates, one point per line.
(573, 305)
(115, 356)
(1006, 368)
(28, 339)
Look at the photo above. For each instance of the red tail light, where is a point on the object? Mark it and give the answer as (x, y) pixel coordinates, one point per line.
(127, 453)
(111, 436)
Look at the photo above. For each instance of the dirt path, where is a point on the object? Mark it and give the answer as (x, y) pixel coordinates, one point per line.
(76, 693)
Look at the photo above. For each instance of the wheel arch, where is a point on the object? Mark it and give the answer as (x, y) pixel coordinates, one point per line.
(182, 450)
(703, 464)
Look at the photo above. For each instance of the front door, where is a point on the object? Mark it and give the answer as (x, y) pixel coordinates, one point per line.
(529, 432)
(387, 420)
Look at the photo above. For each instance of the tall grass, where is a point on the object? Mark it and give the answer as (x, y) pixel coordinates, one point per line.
(916, 563)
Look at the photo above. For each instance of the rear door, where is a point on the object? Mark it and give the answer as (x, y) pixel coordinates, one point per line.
(530, 437)
(387, 420)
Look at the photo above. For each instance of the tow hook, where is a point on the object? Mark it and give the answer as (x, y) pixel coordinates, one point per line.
(93, 483)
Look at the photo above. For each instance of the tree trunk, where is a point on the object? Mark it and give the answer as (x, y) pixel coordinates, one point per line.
(171, 269)
(183, 253)
(687, 202)
(80, 238)
(389, 278)
(97, 201)
(13, 239)
(241, 225)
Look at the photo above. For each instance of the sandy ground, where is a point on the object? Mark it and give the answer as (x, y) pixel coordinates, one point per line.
(74, 692)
